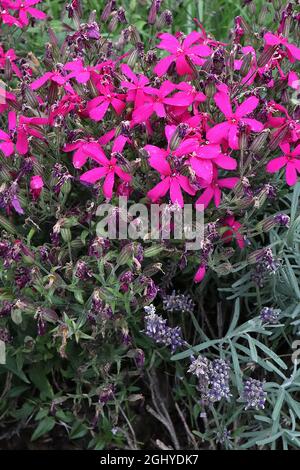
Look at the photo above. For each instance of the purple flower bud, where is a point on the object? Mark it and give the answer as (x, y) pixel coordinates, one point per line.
(158, 330)
(269, 315)
(213, 378)
(282, 219)
(178, 303)
(253, 394)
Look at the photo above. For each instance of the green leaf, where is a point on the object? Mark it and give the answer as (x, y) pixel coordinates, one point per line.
(279, 402)
(236, 366)
(270, 353)
(11, 365)
(44, 426)
(235, 318)
(2, 352)
(39, 379)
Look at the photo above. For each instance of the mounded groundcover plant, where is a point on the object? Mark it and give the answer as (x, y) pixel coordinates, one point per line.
(131, 344)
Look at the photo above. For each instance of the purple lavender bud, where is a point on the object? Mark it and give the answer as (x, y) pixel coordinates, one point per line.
(282, 219)
(269, 315)
(213, 377)
(178, 303)
(219, 381)
(200, 368)
(157, 329)
(253, 394)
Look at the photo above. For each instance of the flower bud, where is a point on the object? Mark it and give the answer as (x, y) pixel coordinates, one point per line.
(7, 70)
(30, 97)
(246, 64)
(277, 137)
(153, 250)
(259, 142)
(66, 234)
(266, 56)
(165, 19)
(210, 88)
(126, 255)
(178, 135)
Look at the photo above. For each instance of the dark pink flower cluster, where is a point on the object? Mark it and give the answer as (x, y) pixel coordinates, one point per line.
(18, 12)
(193, 147)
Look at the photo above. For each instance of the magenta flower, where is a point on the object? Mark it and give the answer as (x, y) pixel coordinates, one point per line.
(159, 100)
(69, 102)
(6, 143)
(282, 123)
(25, 8)
(136, 86)
(233, 231)
(56, 77)
(109, 168)
(98, 106)
(36, 185)
(204, 158)
(200, 274)
(6, 99)
(213, 190)
(289, 160)
(254, 70)
(229, 130)
(10, 56)
(7, 18)
(83, 150)
(293, 52)
(78, 71)
(180, 52)
(24, 128)
(172, 180)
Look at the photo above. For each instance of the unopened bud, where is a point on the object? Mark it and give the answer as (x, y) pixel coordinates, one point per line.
(7, 70)
(126, 255)
(266, 56)
(178, 135)
(246, 64)
(259, 142)
(30, 97)
(165, 19)
(277, 137)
